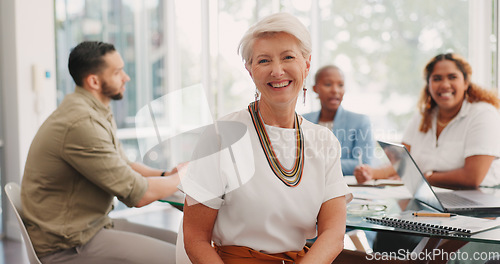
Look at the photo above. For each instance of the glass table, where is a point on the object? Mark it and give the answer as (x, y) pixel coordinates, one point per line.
(390, 200)
(396, 206)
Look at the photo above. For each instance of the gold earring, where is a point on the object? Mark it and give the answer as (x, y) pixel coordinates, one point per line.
(428, 102)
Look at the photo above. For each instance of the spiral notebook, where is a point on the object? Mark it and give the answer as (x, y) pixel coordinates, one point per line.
(457, 225)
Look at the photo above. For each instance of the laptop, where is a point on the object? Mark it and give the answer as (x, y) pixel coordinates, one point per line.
(458, 201)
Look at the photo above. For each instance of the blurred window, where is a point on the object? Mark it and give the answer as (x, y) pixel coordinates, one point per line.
(169, 45)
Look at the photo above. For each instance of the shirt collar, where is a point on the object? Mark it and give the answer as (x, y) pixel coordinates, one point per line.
(464, 110)
(94, 103)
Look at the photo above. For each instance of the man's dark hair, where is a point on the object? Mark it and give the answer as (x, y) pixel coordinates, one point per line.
(86, 58)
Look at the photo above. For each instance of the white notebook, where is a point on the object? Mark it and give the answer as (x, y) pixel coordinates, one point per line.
(458, 225)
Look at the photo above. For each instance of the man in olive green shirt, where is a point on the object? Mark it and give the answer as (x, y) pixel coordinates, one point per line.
(76, 166)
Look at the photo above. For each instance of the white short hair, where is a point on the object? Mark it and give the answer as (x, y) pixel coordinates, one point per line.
(278, 22)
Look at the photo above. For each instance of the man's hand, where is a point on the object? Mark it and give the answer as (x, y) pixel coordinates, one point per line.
(181, 167)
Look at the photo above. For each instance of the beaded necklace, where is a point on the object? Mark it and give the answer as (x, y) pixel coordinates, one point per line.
(291, 177)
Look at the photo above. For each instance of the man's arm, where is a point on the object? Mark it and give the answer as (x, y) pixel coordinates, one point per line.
(160, 187)
(144, 170)
(147, 171)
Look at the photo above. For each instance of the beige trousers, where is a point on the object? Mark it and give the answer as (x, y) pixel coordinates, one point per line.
(126, 243)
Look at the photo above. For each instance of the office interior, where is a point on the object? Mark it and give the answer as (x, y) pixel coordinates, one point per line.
(191, 45)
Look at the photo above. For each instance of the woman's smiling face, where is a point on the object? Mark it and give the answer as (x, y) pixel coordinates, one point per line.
(278, 68)
(447, 85)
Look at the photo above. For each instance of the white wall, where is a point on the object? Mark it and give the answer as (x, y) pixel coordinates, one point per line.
(480, 43)
(27, 38)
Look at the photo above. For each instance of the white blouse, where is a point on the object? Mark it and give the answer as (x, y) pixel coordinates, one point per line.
(474, 131)
(256, 209)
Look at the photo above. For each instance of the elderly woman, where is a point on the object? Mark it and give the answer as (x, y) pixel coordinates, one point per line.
(454, 138)
(297, 181)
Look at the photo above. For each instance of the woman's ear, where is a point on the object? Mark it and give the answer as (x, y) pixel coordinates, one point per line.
(308, 65)
(248, 66)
